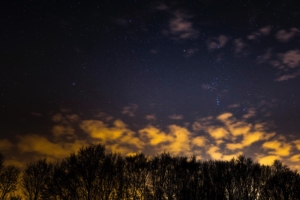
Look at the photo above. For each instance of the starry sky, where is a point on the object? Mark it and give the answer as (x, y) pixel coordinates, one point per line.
(209, 78)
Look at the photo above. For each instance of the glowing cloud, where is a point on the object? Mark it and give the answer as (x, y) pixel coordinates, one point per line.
(5, 145)
(280, 148)
(267, 160)
(44, 147)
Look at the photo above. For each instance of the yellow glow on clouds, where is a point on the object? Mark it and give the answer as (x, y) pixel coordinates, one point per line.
(221, 137)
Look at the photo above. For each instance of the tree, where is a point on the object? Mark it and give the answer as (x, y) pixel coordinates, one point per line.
(35, 179)
(136, 175)
(9, 176)
(78, 176)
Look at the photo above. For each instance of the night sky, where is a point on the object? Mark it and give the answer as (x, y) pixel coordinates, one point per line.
(210, 78)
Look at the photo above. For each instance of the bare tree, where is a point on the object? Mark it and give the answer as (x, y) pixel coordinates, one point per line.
(9, 176)
(136, 174)
(77, 176)
(35, 179)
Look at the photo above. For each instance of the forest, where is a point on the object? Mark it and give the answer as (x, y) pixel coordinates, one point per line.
(93, 174)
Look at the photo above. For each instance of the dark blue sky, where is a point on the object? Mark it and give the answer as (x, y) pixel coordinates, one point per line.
(210, 78)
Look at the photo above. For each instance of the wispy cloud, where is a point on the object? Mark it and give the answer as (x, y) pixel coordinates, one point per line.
(264, 31)
(180, 26)
(5, 145)
(150, 117)
(288, 64)
(279, 148)
(130, 110)
(285, 36)
(216, 42)
(239, 45)
(176, 117)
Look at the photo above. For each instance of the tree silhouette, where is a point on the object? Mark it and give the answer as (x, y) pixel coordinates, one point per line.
(9, 176)
(136, 176)
(93, 174)
(35, 180)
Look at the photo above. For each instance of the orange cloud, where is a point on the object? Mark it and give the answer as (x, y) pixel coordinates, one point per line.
(199, 141)
(60, 130)
(218, 133)
(215, 153)
(5, 145)
(44, 147)
(180, 142)
(118, 133)
(279, 148)
(297, 143)
(295, 158)
(268, 160)
(154, 135)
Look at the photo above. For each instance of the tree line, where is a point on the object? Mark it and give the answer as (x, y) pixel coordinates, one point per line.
(93, 174)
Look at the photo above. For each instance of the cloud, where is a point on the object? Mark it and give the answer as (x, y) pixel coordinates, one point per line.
(177, 140)
(154, 136)
(216, 42)
(291, 58)
(288, 64)
(297, 143)
(279, 148)
(248, 139)
(180, 27)
(251, 113)
(215, 153)
(44, 147)
(64, 117)
(285, 36)
(239, 45)
(175, 117)
(60, 130)
(264, 31)
(268, 160)
(218, 132)
(295, 158)
(180, 142)
(150, 117)
(265, 57)
(110, 135)
(286, 77)
(223, 136)
(5, 145)
(232, 133)
(199, 141)
(130, 110)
